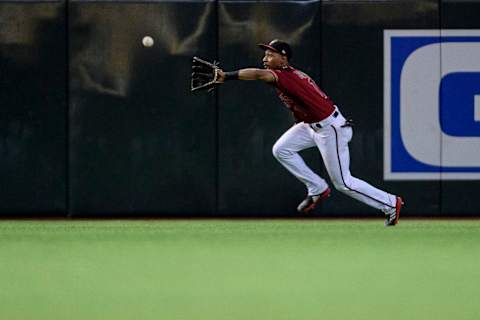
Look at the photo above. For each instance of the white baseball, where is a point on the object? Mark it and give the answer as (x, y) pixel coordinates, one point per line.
(147, 41)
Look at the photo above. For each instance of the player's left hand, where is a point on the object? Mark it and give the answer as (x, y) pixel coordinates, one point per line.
(206, 75)
(221, 76)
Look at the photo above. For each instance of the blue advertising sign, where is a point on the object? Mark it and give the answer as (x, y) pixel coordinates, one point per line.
(432, 104)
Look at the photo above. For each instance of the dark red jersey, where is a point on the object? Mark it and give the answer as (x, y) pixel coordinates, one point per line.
(302, 96)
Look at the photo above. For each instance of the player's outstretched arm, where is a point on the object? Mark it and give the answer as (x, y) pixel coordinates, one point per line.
(248, 74)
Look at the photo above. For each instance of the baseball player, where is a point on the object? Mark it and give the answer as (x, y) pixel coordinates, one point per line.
(319, 123)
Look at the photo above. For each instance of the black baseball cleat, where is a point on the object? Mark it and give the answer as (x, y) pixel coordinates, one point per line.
(391, 219)
(309, 203)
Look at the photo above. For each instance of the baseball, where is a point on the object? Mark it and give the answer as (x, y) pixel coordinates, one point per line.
(147, 41)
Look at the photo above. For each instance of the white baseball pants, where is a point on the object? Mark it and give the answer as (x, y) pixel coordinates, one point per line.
(332, 141)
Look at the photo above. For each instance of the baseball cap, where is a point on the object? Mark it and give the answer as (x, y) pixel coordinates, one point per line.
(278, 46)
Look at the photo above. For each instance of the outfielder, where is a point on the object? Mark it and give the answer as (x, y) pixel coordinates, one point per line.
(319, 123)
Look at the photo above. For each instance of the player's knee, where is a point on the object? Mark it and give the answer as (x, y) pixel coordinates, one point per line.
(340, 185)
(280, 152)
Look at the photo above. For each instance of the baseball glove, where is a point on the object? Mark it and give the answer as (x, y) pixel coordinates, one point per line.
(204, 75)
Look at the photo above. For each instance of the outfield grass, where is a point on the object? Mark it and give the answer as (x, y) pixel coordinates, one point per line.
(208, 269)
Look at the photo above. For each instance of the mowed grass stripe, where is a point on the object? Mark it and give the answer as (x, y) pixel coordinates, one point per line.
(221, 269)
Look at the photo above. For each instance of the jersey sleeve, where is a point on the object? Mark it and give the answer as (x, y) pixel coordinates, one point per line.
(284, 81)
(280, 79)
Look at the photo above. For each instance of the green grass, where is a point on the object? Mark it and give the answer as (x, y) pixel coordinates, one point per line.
(208, 269)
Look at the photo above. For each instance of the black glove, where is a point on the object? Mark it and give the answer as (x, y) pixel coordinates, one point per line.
(204, 75)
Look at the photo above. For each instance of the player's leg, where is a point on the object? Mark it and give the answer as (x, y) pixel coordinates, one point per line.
(285, 150)
(333, 144)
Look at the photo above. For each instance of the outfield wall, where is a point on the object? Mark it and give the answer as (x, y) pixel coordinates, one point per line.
(94, 124)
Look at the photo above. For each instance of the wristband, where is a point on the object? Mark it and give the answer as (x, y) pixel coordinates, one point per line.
(232, 75)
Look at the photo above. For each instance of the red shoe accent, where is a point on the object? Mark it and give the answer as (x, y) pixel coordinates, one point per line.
(324, 195)
(398, 208)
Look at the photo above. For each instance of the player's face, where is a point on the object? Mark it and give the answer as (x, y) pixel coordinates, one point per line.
(274, 60)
